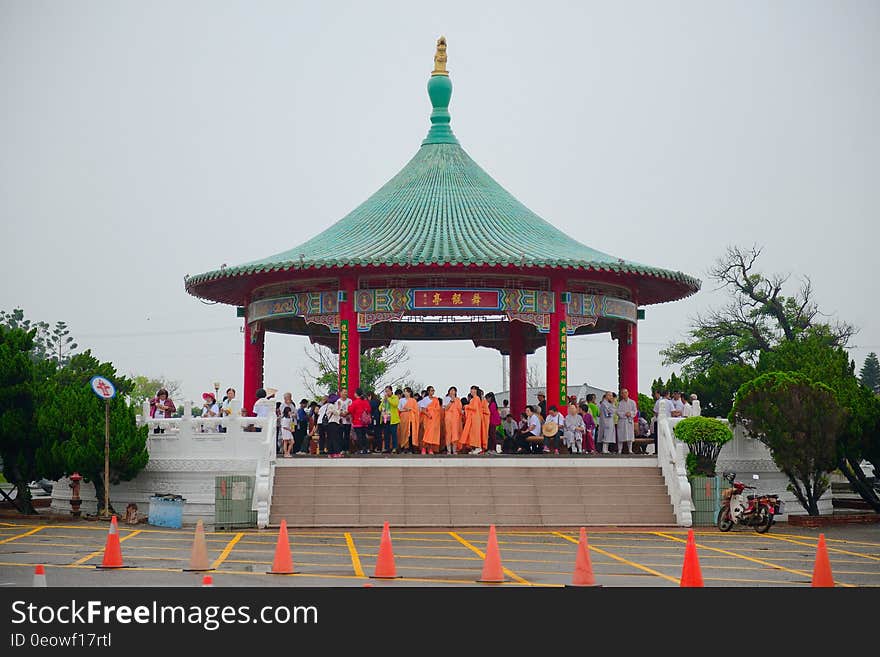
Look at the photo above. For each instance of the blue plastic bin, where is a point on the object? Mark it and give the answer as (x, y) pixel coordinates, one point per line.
(166, 511)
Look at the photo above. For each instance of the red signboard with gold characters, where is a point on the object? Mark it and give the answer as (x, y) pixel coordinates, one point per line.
(455, 299)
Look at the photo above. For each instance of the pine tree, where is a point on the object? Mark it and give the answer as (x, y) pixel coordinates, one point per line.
(71, 418)
(20, 377)
(870, 374)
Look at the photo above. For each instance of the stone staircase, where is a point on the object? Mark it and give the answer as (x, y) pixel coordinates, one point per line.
(411, 493)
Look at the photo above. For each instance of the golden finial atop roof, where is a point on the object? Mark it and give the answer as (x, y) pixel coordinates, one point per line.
(440, 58)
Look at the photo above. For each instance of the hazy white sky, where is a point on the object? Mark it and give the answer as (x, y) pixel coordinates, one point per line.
(140, 142)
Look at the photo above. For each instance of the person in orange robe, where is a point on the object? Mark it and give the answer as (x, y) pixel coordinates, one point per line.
(452, 416)
(470, 435)
(484, 420)
(409, 421)
(432, 419)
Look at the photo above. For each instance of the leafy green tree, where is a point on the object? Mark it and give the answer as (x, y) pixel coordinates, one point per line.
(50, 343)
(816, 356)
(646, 407)
(144, 388)
(72, 420)
(716, 388)
(20, 379)
(870, 374)
(757, 318)
(704, 436)
(799, 421)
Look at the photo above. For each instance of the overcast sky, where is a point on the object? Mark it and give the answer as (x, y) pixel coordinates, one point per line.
(142, 141)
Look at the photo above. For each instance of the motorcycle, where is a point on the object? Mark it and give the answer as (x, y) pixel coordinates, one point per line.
(750, 510)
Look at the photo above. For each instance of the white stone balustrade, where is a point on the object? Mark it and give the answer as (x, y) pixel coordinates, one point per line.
(672, 456)
(186, 454)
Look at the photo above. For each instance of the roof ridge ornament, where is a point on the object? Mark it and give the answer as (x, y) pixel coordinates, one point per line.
(440, 92)
(440, 58)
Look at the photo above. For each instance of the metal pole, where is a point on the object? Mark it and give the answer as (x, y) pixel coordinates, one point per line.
(107, 458)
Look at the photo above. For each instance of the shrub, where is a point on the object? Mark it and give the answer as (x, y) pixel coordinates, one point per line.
(799, 420)
(704, 437)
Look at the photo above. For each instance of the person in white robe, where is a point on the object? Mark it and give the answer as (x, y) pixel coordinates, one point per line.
(627, 411)
(606, 422)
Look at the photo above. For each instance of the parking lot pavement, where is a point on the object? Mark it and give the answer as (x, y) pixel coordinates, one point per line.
(338, 557)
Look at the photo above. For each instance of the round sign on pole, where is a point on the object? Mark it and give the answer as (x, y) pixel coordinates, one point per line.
(102, 387)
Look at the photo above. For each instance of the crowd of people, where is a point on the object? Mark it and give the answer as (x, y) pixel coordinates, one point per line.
(404, 421)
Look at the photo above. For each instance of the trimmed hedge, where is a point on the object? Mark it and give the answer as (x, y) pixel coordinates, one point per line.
(704, 436)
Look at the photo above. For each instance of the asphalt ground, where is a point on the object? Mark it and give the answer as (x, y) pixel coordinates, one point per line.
(336, 557)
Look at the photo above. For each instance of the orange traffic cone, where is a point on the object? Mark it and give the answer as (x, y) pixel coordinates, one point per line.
(690, 570)
(822, 570)
(493, 573)
(283, 563)
(583, 568)
(207, 581)
(198, 561)
(40, 576)
(385, 568)
(112, 550)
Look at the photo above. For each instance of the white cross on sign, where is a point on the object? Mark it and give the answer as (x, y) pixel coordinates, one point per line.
(103, 387)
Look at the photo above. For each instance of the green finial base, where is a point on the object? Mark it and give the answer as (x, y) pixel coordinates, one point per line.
(440, 93)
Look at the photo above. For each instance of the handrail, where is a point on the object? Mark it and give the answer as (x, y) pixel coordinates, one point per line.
(265, 475)
(672, 456)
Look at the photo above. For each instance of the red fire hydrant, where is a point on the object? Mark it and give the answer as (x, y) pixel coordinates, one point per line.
(75, 500)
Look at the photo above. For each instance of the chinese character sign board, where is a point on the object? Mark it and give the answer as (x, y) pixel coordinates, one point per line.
(563, 363)
(343, 354)
(450, 299)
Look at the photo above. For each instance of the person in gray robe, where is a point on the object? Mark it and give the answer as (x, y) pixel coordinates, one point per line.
(627, 411)
(606, 422)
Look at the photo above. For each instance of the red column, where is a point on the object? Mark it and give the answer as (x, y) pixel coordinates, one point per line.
(349, 338)
(254, 342)
(557, 349)
(628, 358)
(518, 368)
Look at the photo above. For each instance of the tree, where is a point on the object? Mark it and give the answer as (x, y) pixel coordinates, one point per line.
(798, 420)
(322, 376)
(646, 407)
(758, 317)
(144, 388)
(48, 343)
(870, 374)
(815, 356)
(704, 436)
(20, 378)
(71, 418)
(717, 387)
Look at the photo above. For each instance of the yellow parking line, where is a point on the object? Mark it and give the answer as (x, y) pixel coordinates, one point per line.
(830, 549)
(235, 539)
(29, 533)
(307, 575)
(355, 559)
(753, 560)
(482, 555)
(829, 540)
(101, 551)
(632, 564)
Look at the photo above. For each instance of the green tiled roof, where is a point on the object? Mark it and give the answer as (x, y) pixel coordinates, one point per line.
(450, 212)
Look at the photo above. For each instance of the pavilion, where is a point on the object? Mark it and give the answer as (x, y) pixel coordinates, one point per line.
(477, 265)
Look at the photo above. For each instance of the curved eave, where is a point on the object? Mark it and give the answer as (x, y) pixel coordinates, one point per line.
(233, 285)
